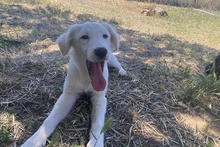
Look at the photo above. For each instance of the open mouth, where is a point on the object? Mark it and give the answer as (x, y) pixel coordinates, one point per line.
(95, 70)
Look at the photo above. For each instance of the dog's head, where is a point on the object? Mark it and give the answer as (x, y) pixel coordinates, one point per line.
(94, 40)
(92, 43)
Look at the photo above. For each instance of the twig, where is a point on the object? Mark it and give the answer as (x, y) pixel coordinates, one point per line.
(205, 12)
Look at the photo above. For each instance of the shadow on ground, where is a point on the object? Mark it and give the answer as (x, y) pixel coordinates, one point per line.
(144, 103)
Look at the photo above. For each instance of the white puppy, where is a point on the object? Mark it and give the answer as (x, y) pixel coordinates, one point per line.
(89, 46)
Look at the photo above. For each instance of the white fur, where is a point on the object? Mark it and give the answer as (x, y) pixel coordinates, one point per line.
(78, 81)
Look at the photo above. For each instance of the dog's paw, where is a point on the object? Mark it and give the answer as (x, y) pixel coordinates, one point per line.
(35, 141)
(122, 72)
(94, 143)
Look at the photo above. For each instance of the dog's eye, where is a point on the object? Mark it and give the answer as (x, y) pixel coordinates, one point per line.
(85, 37)
(105, 36)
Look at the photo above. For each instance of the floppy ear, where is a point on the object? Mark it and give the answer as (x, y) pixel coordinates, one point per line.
(115, 39)
(65, 40)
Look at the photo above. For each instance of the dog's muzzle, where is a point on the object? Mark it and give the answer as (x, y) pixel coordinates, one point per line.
(95, 69)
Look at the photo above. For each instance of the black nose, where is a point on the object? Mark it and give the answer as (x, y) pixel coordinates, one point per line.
(101, 52)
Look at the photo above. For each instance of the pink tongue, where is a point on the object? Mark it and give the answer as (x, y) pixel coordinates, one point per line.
(97, 79)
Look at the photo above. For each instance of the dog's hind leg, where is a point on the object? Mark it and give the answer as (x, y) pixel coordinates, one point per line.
(97, 120)
(112, 61)
(60, 110)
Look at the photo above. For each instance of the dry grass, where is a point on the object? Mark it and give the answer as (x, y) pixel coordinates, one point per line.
(157, 104)
(208, 4)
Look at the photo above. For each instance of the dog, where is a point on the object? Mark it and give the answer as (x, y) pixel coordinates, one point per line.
(90, 48)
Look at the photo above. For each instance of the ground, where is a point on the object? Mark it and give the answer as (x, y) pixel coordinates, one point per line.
(153, 105)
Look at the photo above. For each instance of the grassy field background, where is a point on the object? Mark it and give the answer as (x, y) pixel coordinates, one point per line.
(165, 100)
(207, 4)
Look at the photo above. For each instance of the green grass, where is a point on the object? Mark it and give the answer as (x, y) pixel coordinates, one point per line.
(206, 90)
(201, 89)
(4, 134)
(208, 4)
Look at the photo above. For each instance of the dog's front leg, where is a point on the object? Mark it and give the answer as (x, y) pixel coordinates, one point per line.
(60, 110)
(97, 117)
(112, 61)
